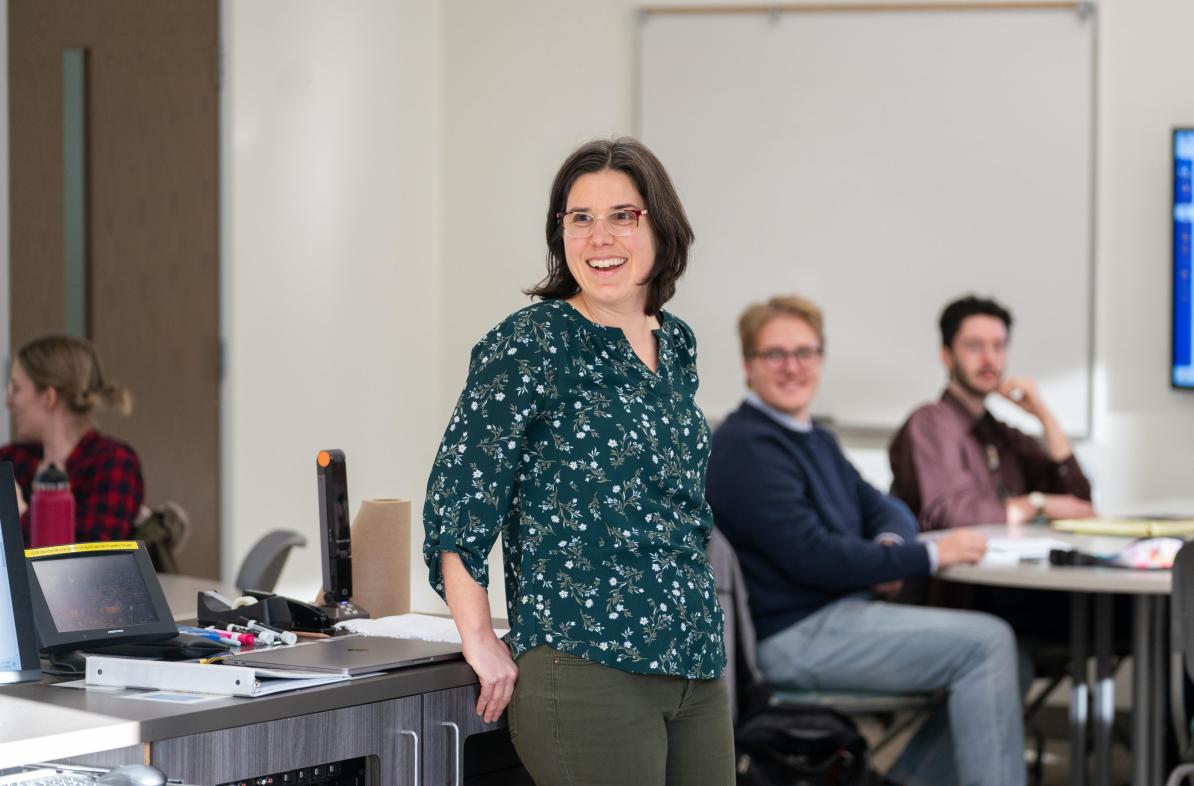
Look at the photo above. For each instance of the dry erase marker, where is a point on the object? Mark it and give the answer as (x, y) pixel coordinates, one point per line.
(201, 632)
(234, 638)
(285, 636)
(262, 635)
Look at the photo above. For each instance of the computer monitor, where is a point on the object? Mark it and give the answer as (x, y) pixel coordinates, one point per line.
(18, 635)
(91, 595)
(1182, 343)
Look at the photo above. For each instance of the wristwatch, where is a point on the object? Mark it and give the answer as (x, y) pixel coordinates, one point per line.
(1037, 500)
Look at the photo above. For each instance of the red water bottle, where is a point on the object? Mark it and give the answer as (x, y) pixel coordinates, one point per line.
(51, 510)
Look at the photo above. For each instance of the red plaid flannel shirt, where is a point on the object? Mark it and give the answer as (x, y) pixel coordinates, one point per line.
(105, 477)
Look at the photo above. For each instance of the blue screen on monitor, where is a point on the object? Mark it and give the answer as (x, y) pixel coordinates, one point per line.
(1183, 282)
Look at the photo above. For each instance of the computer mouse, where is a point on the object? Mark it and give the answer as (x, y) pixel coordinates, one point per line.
(133, 775)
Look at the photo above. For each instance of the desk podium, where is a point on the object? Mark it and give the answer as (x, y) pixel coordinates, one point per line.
(414, 727)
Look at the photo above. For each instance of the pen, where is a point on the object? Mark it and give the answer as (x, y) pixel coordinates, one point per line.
(207, 634)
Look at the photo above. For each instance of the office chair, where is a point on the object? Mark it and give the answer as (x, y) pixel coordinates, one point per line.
(263, 564)
(1181, 609)
(896, 712)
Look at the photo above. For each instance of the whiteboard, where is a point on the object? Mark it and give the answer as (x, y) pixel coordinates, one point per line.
(882, 163)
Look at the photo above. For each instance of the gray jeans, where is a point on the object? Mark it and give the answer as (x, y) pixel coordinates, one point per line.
(976, 737)
(575, 722)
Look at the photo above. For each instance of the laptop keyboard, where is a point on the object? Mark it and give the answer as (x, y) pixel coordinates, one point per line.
(46, 776)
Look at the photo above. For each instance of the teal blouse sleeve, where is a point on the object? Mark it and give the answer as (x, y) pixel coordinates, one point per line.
(473, 480)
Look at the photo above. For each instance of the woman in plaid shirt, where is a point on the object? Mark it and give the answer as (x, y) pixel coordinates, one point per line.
(55, 387)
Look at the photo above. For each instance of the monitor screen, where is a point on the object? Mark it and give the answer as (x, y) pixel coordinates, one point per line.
(10, 649)
(18, 635)
(1182, 371)
(87, 594)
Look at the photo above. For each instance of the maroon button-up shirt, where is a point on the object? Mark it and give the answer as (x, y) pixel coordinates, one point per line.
(954, 469)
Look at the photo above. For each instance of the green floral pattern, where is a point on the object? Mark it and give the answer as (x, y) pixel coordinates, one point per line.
(592, 467)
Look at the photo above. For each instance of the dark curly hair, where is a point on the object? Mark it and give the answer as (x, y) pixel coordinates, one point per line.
(665, 216)
(956, 312)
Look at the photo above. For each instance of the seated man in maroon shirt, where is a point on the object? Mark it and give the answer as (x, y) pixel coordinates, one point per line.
(956, 465)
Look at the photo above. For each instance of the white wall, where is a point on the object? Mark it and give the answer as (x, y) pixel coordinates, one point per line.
(331, 262)
(385, 175)
(1144, 431)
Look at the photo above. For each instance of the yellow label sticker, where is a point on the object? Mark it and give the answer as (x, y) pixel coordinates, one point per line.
(78, 548)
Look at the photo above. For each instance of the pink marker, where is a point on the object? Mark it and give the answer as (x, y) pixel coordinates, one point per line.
(244, 639)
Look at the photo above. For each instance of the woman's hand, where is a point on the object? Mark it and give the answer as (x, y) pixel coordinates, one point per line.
(21, 505)
(483, 650)
(490, 659)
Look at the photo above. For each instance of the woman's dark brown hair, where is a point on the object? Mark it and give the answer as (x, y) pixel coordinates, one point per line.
(665, 217)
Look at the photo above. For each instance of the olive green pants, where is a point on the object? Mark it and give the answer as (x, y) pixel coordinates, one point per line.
(575, 722)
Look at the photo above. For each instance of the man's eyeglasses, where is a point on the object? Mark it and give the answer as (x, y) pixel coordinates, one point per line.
(620, 222)
(776, 358)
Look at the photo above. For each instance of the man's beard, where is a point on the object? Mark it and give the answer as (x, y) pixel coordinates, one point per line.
(957, 376)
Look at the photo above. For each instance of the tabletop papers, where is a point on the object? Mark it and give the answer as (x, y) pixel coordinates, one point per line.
(1128, 527)
(424, 627)
(1008, 550)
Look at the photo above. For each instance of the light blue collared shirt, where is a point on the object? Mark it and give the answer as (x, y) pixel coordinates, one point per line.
(805, 427)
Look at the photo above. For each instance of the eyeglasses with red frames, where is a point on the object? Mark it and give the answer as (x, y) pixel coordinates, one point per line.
(620, 222)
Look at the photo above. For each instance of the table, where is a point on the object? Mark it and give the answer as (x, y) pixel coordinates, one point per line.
(417, 725)
(1150, 669)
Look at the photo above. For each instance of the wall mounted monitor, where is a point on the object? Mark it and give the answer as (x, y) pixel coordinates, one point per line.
(1181, 374)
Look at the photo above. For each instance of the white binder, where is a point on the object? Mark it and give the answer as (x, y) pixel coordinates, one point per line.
(198, 677)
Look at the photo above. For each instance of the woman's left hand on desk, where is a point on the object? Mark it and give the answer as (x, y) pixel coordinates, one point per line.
(498, 673)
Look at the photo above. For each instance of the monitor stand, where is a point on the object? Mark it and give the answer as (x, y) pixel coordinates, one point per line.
(71, 663)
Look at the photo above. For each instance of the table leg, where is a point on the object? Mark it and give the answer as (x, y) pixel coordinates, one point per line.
(1142, 690)
(1104, 690)
(1159, 674)
(1079, 639)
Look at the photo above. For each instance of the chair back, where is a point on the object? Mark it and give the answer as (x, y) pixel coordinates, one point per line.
(262, 566)
(742, 670)
(1181, 606)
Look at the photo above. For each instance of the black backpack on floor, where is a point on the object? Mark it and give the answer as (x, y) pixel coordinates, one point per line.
(799, 745)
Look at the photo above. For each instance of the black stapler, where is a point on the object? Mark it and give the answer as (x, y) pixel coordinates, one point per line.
(303, 616)
(276, 611)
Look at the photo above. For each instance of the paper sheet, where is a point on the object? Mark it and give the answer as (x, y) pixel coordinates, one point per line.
(424, 627)
(1008, 551)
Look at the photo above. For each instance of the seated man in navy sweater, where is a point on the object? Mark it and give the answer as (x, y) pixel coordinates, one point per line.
(819, 546)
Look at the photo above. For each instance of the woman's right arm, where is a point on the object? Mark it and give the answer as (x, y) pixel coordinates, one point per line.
(473, 485)
(483, 650)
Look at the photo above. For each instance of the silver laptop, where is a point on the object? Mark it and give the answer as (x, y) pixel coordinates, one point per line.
(348, 655)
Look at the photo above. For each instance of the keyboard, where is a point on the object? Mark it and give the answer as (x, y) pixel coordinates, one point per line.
(46, 776)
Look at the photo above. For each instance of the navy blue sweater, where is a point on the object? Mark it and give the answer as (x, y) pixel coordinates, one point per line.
(802, 520)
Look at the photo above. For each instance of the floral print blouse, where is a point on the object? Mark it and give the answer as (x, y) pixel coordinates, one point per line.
(592, 467)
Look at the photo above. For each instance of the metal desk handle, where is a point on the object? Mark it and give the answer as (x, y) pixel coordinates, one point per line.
(457, 753)
(415, 736)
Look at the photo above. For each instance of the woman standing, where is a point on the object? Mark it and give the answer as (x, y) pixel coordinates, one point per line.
(578, 440)
(55, 386)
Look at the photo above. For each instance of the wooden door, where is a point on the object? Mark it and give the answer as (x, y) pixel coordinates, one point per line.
(150, 218)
